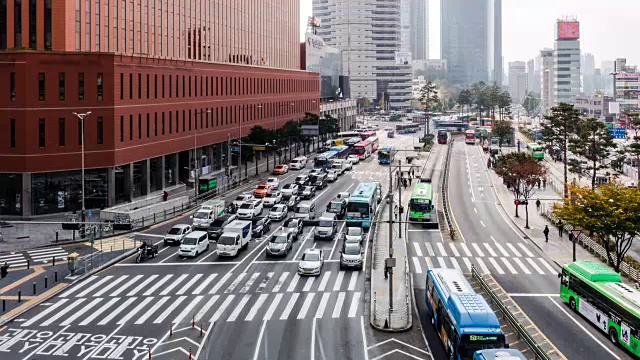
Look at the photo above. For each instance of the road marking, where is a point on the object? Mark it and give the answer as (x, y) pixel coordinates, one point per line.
(94, 286)
(521, 265)
(235, 283)
(81, 312)
(323, 305)
(169, 257)
(236, 312)
(111, 284)
(441, 249)
(61, 313)
(441, 262)
(257, 351)
(324, 281)
(313, 340)
(308, 284)
(249, 283)
(290, 305)
(264, 282)
(280, 282)
(454, 250)
(97, 313)
(429, 263)
(188, 310)
(204, 284)
(467, 262)
(125, 286)
(210, 254)
(354, 304)
(495, 264)
(484, 268)
(532, 295)
(147, 314)
(535, 266)
(478, 250)
(465, 249)
(117, 311)
(417, 247)
(513, 249)
(273, 306)
(305, 306)
(483, 225)
(338, 307)
(222, 308)
(142, 285)
(303, 242)
(133, 312)
(178, 281)
(353, 280)
(256, 306)
(490, 250)
(169, 310)
(206, 307)
(526, 251)
(336, 286)
(293, 283)
(508, 265)
(501, 249)
(476, 210)
(219, 284)
(416, 265)
(549, 267)
(188, 285)
(158, 284)
(429, 249)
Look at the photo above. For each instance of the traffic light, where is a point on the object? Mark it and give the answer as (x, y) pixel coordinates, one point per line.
(520, 202)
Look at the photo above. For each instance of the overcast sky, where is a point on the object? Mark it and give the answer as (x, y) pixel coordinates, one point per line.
(528, 27)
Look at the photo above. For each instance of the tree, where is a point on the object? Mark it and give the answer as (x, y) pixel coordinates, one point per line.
(611, 212)
(594, 143)
(522, 172)
(634, 148)
(428, 96)
(464, 98)
(559, 128)
(531, 102)
(504, 104)
(502, 129)
(480, 99)
(363, 102)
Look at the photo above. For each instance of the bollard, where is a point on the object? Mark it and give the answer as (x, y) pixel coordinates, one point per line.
(190, 353)
(170, 329)
(122, 244)
(4, 305)
(56, 276)
(28, 263)
(74, 235)
(154, 218)
(193, 323)
(56, 236)
(46, 282)
(149, 354)
(200, 329)
(19, 295)
(54, 261)
(34, 288)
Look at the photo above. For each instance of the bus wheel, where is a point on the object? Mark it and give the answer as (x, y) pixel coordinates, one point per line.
(613, 336)
(572, 304)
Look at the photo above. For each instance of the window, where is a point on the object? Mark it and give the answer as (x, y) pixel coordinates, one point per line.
(148, 127)
(100, 129)
(61, 87)
(139, 126)
(3, 24)
(121, 86)
(17, 23)
(97, 24)
(182, 85)
(12, 132)
(189, 85)
(32, 24)
(155, 124)
(139, 86)
(147, 86)
(177, 86)
(12, 86)
(190, 120)
(184, 128)
(130, 86)
(41, 133)
(163, 123)
(61, 132)
(170, 85)
(80, 86)
(100, 86)
(177, 127)
(47, 25)
(155, 86)
(170, 122)
(121, 128)
(41, 86)
(163, 86)
(130, 127)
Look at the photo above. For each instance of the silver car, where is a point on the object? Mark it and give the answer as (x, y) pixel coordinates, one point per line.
(311, 262)
(177, 233)
(280, 244)
(354, 235)
(351, 256)
(332, 175)
(278, 212)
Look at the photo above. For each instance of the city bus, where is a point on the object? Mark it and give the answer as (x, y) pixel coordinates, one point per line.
(386, 154)
(536, 150)
(324, 160)
(470, 137)
(407, 128)
(352, 141)
(341, 151)
(374, 143)
(463, 320)
(362, 204)
(499, 354)
(597, 293)
(363, 149)
(347, 134)
(367, 134)
(443, 136)
(421, 207)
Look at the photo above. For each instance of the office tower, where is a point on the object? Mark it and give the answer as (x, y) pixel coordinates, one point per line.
(587, 67)
(546, 80)
(567, 61)
(517, 81)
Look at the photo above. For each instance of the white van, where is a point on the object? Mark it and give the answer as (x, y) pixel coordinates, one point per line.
(194, 243)
(305, 210)
(236, 236)
(298, 163)
(202, 219)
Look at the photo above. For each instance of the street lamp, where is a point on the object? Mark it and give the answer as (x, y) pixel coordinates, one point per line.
(195, 149)
(81, 116)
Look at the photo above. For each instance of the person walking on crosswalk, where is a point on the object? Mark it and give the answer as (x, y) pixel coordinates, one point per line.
(546, 233)
(538, 203)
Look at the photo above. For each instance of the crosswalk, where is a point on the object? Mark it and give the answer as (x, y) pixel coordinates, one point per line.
(47, 254)
(114, 243)
(489, 258)
(178, 309)
(13, 260)
(368, 175)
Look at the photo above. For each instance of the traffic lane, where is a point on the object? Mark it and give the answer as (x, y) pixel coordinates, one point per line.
(574, 337)
(479, 181)
(435, 343)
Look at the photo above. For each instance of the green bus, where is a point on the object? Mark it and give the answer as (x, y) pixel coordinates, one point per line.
(421, 208)
(596, 292)
(536, 150)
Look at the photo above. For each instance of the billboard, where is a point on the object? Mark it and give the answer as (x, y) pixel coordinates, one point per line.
(614, 108)
(568, 30)
(403, 58)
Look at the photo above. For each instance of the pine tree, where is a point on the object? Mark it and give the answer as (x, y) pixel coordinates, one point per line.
(559, 128)
(594, 143)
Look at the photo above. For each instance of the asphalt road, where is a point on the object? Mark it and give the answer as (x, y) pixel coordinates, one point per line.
(247, 307)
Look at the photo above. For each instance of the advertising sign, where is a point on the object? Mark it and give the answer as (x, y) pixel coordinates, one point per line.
(403, 58)
(614, 108)
(568, 30)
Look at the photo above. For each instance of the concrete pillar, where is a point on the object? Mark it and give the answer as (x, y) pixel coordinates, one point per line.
(26, 194)
(129, 177)
(176, 167)
(111, 186)
(147, 169)
(163, 180)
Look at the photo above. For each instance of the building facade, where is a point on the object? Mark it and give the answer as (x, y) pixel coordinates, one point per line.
(517, 81)
(596, 106)
(567, 61)
(369, 34)
(588, 69)
(166, 79)
(415, 25)
(546, 80)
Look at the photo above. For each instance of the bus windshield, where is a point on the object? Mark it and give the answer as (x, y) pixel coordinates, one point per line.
(358, 207)
(420, 205)
(470, 343)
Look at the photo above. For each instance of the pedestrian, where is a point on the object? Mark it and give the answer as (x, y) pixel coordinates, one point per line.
(546, 233)
(560, 227)
(404, 183)
(538, 183)
(489, 163)
(409, 181)
(544, 183)
(538, 203)
(570, 236)
(386, 272)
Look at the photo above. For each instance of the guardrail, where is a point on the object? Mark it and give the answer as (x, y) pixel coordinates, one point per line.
(444, 187)
(522, 333)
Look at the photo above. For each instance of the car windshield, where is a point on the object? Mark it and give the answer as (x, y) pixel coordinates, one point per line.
(291, 224)
(175, 231)
(354, 231)
(336, 205)
(286, 187)
(310, 257)
(271, 181)
(358, 207)
(227, 240)
(280, 239)
(261, 187)
(420, 205)
(351, 250)
(189, 241)
(241, 198)
(278, 208)
(302, 209)
(325, 223)
(246, 206)
(201, 215)
(218, 223)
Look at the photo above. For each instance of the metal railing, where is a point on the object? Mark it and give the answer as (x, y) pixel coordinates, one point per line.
(444, 186)
(522, 333)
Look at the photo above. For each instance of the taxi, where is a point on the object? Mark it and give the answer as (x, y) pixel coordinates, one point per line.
(261, 190)
(280, 169)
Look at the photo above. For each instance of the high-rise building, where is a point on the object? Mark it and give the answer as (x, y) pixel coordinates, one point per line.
(588, 68)
(546, 80)
(414, 22)
(517, 81)
(567, 61)
(165, 90)
(369, 35)
(531, 75)
(606, 69)
(471, 40)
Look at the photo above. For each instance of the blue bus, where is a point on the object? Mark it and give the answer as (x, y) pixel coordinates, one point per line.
(342, 151)
(362, 204)
(325, 160)
(499, 354)
(386, 154)
(463, 319)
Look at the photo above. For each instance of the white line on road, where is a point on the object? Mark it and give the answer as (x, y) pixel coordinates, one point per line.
(273, 306)
(532, 295)
(236, 312)
(289, 307)
(222, 308)
(153, 309)
(483, 224)
(364, 339)
(303, 242)
(476, 210)
(418, 250)
(313, 339)
(256, 353)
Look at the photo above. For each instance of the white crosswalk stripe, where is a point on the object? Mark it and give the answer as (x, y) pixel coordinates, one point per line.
(294, 282)
(235, 283)
(495, 265)
(289, 307)
(264, 282)
(478, 250)
(256, 306)
(124, 287)
(308, 284)
(78, 313)
(117, 311)
(546, 264)
(132, 313)
(79, 286)
(525, 250)
(13, 260)
(466, 250)
(441, 249)
(430, 250)
(305, 306)
(338, 308)
(490, 250)
(508, 265)
(323, 305)
(45, 312)
(203, 285)
(418, 250)
(143, 285)
(174, 284)
(94, 315)
(454, 250)
(273, 306)
(187, 310)
(485, 269)
(467, 262)
(157, 285)
(429, 263)
(62, 312)
(354, 305)
(47, 254)
(236, 312)
(336, 286)
(206, 307)
(249, 283)
(222, 308)
(324, 281)
(110, 285)
(521, 265)
(280, 282)
(535, 266)
(501, 249)
(147, 314)
(353, 280)
(441, 262)
(488, 265)
(189, 284)
(220, 283)
(416, 265)
(169, 310)
(513, 249)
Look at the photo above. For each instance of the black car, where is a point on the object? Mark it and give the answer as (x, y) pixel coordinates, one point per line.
(318, 180)
(291, 201)
(338, 206)
(260, 225)
(307, 192)
(217, 226)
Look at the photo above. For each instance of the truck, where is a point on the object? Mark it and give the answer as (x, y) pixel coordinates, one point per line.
(236, 236)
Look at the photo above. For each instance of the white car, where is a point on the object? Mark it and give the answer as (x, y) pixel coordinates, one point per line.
(289, 189)
(202, 219)
(272, 198)
(273, 182)
(177, 233)
(278, 212)
(332, 175)
(311, 262)
(338, 168)
(248, 210)
(242, 198)
(354, 234)
(355, 159)
(194, 244)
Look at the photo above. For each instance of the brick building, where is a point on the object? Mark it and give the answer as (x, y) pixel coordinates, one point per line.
(157, 77)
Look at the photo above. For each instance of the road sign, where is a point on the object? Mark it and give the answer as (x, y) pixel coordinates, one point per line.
(259, 148)
(235, 148)
(310, 130)
(89, 214)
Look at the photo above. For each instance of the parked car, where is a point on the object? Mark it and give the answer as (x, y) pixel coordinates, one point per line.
(291, 201)
(294, 226)
(272, 198)
(351, 255)
(177, 233)
(332, 175)
(280, 169)
(242, 198)
(311, 262)
(355, 159)
(261, 190)
(217, 226)
(273, 182)
(308, 192)
(280, 244)
(338, 206)
(279, 212)
(194, 244)
(354, 235)
(250, 209)
(260, 225)
(289, 189)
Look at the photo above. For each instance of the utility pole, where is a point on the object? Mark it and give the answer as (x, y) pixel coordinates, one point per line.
(83, 214)
(228, 157)
(388, 262)
(400, 210)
